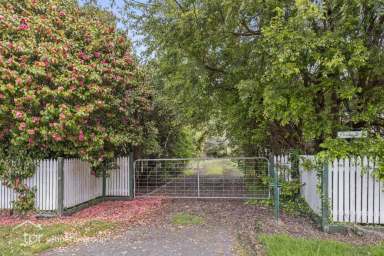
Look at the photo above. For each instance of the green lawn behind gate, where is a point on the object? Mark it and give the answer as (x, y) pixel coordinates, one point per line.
(214, 167)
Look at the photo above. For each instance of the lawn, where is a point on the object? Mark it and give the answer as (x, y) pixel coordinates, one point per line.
(219, 167)
(30, 239)
(214, 167)
(183, 218)
(283, 245)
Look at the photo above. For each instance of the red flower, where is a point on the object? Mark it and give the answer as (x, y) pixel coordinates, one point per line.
(61, 14)
(97, 54)
(1, 17)
(57, 137)
(19, 114)
(18, 81)
(22, 126)
(81, 136)
(83, 56)
(23, 26)
(35, 119)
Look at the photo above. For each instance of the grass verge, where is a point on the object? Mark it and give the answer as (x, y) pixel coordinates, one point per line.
(284, 245)
(30, 239)
(187, 219)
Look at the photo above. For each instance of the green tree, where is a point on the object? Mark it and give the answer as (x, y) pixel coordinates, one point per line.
(279, 74)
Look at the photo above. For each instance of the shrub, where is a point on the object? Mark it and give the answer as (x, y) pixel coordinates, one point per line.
(69, 85)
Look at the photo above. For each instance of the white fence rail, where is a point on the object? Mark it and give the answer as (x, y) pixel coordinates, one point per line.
(79, 185)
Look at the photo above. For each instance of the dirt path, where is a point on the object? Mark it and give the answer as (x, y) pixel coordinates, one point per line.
(228, 228)
(159, 236)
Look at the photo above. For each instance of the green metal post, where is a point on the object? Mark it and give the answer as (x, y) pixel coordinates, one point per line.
(60, 186)
(324, 199)
(131, 175)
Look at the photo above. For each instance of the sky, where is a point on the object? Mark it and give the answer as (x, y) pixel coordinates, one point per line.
(119, 4)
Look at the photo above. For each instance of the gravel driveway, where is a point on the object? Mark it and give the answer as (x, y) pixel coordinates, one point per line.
(230, 227)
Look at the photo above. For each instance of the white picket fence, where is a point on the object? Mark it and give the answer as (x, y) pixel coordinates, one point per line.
(45, 180)
(282, 165)
(79, 184)
(354, 194)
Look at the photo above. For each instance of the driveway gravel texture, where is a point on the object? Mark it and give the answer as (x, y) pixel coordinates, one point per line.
(229, 227)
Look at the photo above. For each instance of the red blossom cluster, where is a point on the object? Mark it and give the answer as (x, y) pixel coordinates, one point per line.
(68, 82)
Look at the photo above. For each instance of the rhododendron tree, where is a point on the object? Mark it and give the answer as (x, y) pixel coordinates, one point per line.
(69, 86)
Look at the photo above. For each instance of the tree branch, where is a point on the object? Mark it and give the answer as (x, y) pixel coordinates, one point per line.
(248, 31)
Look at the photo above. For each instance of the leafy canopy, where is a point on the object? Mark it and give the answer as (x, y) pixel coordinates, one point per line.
(278, 74)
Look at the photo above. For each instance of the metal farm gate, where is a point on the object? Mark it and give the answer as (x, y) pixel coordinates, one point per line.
(241, 177)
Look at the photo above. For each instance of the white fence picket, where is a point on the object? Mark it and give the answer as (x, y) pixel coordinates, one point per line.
(117, 184)
(352, 190)
(335, 191)
(347, 188)
(371, 195)
(376, 199)
(381, 203)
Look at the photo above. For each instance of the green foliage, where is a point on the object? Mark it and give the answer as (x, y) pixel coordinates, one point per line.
(275, 74)
(25, 200)
(187, 219)
(169, 136)
(276, 245)
(15, 166)
(291, 201)
(69, 86)
(184, 145)
(216, 147)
